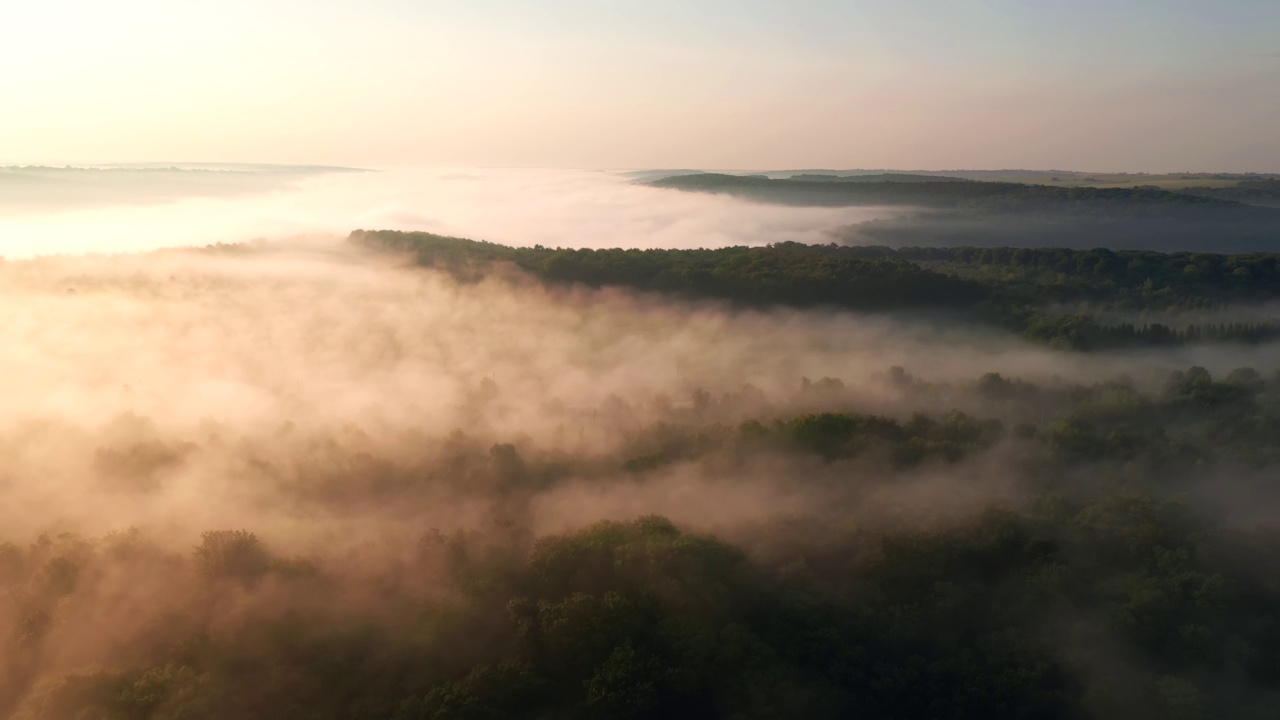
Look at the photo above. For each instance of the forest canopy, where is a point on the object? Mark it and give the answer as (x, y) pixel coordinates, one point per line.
(1113, 579)
(412, 476)
(1052, 295)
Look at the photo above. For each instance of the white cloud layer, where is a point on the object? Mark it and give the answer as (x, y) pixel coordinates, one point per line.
(570, 208)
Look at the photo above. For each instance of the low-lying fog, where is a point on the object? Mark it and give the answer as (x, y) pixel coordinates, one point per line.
(344, 404)
(256, 356)
(262, 354)
(109, 210)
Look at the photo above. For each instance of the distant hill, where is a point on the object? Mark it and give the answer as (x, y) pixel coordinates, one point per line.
(1013, 214)
(1060, 178)
(1006, 198)
(1251, 192)
(880, 177)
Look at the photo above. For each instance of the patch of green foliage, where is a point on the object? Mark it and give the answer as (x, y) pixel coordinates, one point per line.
(1026, 290)
(1106, 590)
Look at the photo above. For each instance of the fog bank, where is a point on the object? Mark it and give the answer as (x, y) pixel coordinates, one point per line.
(570, 208)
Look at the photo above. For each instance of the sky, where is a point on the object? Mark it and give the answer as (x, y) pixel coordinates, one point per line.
(1138, 85)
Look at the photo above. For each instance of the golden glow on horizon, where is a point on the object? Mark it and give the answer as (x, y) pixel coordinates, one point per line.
(395, 83)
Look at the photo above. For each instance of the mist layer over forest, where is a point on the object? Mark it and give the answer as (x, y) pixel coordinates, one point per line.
(1238, 215)
(404, 475)
(47, 210)
(227, 460)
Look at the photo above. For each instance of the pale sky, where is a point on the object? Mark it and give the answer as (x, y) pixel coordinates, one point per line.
(1153, 85)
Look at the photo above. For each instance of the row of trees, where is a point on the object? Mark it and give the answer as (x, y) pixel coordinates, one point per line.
(1119, 581)
(1022, 289)
(1081, 332)
(1120, 279)
(785, 274)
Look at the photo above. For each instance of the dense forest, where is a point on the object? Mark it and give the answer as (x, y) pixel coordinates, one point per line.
(1054, 296)
(415, 477)
(1021, 215)
(1112, 567)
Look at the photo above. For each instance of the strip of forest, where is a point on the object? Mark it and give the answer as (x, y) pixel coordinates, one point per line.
(1055, 296)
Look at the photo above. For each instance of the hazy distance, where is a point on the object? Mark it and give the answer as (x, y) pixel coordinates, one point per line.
(51, 211)
(559, 436)
(1091, 85)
